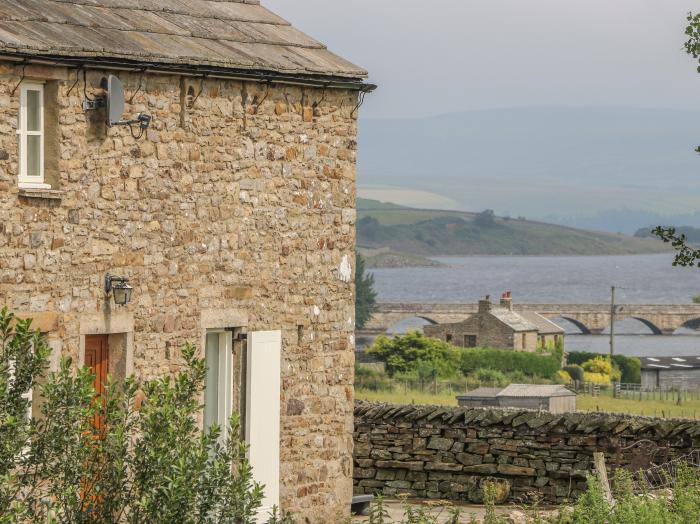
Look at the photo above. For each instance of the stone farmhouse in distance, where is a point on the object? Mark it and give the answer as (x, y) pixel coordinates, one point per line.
(218, 208)
(499, 326)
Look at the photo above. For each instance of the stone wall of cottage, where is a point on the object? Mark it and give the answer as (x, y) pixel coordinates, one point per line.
(243, 202)
(447, 453)
(489, 331)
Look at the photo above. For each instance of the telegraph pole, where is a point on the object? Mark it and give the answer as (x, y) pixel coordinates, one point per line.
(612, 323)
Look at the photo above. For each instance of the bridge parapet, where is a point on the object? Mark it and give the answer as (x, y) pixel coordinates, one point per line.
(591, 318)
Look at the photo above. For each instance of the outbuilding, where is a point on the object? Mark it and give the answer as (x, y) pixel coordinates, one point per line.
(677, 373)
(552, 398)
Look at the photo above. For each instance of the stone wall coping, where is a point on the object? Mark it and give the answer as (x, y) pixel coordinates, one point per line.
(578, 422)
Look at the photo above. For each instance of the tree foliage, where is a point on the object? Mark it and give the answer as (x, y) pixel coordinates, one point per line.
(686, 255)
(148, 462)
(413, 353)
(365, 296)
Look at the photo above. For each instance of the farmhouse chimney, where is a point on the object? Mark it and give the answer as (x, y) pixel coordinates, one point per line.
(507, 300)
(485, 304)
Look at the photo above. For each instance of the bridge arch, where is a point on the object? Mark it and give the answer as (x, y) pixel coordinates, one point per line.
(580, 325)
(655, 330)
(408, 323)
(693, 324)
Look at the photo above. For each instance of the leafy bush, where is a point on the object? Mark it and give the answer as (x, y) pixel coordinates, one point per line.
(575, 372)
(630, 367)
(600, 370)
(563, 377)
(414, 352)
(490, 376)
(404, 354)
(598, 365)
(508, 361)
(148, 462)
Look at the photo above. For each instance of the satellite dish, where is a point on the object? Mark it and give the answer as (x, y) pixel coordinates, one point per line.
(115, 101)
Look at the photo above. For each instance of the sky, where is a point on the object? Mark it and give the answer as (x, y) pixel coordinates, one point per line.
(433, 57)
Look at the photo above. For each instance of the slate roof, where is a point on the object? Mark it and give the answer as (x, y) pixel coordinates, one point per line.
(533, 390)
(228, 34)
(512, 319)
(481, 393)
(543, 325)
(670, 362)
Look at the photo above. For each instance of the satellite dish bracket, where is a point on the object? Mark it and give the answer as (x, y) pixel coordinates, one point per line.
(113, 101)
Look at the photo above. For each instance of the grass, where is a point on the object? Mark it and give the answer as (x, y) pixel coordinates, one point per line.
(689, 408)
(437, 232)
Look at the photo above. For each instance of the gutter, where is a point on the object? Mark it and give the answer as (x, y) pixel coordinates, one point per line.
(259, 76)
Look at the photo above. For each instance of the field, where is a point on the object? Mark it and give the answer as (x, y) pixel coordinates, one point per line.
(437, 232)
(649, 407)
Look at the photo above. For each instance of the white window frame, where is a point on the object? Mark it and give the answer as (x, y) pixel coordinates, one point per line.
(25, 181)
(225, 379)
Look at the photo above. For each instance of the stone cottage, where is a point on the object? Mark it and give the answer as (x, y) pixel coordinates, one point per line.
(216, 206)
(498, 326)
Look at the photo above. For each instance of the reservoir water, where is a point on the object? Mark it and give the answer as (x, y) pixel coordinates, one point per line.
(639, 279)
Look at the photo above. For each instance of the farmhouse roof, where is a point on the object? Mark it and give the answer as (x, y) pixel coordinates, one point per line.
(238, 35)
(512, 319)
(532, 390)
(543, 325)
(670, 362)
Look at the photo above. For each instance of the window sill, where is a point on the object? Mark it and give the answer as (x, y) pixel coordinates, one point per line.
(46, 194)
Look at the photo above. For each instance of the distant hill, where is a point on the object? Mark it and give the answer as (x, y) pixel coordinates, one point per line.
(692, 234)
(549, 163)
(437, 232)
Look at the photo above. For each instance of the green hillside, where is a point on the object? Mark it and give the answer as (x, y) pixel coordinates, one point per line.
(436, 232)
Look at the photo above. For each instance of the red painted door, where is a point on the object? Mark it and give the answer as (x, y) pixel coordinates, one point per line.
(97, 359)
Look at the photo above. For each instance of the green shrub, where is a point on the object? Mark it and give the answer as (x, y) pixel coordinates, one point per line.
(147, 465)
(490, 376)
(630, 367)
(575, 372)
(509, 361)
(415, 354)
(402, 354)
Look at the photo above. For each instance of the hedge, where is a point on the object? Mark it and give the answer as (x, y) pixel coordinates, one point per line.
(506, 361)
(630, 367)
(409, 353)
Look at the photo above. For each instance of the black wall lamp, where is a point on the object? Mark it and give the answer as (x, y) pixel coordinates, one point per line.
(120, 289)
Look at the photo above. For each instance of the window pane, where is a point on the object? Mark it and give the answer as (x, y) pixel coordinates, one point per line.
(211, 383)
(33, 155)
(33, 110)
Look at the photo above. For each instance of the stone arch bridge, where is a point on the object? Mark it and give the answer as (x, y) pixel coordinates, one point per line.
(662, 319)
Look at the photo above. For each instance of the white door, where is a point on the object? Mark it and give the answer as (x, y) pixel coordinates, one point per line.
(262, 424)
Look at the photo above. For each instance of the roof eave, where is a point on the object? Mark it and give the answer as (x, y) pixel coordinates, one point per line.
(261, 76)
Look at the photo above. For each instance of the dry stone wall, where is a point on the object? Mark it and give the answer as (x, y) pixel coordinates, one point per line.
(447, 453)
(243, 203)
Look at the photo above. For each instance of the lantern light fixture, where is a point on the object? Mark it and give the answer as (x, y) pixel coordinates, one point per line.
(120, 289)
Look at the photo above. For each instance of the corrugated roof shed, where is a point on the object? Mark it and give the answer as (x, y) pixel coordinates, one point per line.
(228, 34)
(512, 319)
(544, 325)
(534, 390)
(481, 393)
(670, 362)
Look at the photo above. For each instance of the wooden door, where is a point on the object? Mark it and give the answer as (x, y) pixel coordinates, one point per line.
(97, 359)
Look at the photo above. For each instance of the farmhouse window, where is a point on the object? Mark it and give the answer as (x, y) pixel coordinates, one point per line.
(30, 132)
(218, 389)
